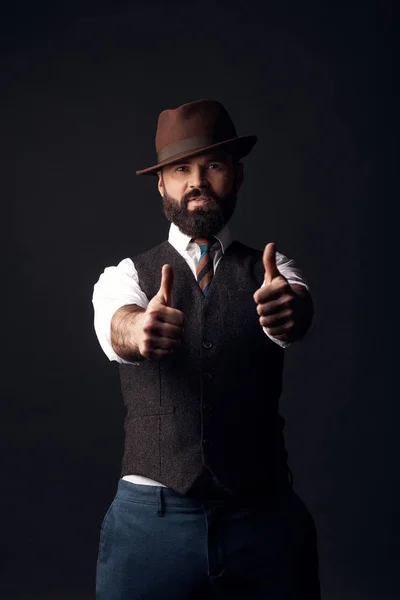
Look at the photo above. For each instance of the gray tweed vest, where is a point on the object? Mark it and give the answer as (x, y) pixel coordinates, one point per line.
(213, 402)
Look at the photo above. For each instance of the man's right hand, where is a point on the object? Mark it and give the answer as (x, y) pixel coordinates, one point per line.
(159, 329)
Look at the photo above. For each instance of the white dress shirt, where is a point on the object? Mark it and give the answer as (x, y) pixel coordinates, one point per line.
(119, 286)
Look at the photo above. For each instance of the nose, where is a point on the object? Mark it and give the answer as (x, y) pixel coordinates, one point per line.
(198, 178)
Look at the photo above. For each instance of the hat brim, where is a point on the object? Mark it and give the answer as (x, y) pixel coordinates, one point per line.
(240, 146)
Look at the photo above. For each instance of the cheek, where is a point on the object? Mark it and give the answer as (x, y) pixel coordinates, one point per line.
(223, 184)
(175, 189)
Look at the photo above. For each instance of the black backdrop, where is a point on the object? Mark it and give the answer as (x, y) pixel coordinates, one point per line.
(81, 90)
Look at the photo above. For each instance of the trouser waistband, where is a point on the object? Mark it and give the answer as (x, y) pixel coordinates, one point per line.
(207, 491)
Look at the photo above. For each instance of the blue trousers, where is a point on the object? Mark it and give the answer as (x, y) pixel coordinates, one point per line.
(157, 544)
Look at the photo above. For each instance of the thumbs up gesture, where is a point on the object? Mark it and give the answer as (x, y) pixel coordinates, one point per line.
(164, 294)
(161, 327)
(275, 299)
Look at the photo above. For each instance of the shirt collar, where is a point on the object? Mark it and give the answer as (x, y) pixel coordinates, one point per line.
(180, 241)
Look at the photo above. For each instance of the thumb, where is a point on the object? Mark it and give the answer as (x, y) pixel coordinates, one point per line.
(167, 279)
(269, 262)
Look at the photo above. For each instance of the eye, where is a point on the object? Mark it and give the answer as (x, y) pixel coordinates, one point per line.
(181, 169)
(214, 166)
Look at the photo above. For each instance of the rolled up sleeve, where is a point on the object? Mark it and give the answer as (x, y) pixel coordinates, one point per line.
(117, 286)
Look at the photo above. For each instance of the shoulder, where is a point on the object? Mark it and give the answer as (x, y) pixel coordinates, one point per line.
(151, 253)
(257, 253)
(248, 259)
(241, 249)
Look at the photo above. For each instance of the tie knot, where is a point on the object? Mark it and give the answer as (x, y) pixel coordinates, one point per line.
(204, 243)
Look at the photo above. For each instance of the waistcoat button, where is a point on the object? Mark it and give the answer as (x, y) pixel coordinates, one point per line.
(207, 345)
(207, 376)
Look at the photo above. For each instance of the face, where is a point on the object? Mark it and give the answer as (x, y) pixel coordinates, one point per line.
(199, 194)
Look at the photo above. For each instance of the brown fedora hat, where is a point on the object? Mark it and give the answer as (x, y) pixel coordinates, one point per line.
(194, 128)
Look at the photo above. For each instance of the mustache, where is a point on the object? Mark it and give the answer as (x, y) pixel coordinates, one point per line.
(196, 193)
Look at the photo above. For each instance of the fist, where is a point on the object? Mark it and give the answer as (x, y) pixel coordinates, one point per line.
(275, 299)
(161, 328)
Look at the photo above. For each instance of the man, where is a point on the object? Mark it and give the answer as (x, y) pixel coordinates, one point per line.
(205, 506)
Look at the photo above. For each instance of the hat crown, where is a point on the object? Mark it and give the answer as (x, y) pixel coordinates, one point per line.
(194, 128)
(199, 119)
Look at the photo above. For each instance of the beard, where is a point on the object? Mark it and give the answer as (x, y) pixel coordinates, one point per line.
(201, 221)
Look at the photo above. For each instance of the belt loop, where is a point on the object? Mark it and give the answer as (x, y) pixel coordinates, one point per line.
(160, 503)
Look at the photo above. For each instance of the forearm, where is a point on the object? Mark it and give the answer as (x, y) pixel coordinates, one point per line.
(125, 325)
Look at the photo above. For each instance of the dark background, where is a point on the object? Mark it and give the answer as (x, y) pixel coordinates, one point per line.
(81, 89)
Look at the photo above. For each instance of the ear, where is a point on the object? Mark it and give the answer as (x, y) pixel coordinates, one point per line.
(160, 183)
(239, 175)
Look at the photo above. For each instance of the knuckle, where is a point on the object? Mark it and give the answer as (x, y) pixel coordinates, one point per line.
(279, 284)
(153, 313)
(148, 320)
(283, 288)
(284, 301)
(147, 346)
(150, 328)
(146, 328)
(146, 337)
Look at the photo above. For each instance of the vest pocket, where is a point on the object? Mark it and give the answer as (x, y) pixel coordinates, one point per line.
(141, 389)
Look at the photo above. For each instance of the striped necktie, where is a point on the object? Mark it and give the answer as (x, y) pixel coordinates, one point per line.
(205, 268)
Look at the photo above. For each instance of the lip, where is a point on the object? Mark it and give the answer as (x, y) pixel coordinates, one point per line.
(199, 200)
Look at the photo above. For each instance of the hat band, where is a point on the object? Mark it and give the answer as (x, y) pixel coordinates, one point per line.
(192, 143)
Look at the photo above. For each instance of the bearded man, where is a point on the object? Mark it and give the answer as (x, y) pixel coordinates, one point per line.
(205, 506)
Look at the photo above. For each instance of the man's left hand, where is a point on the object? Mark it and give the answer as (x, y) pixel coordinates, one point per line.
(276, 300)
